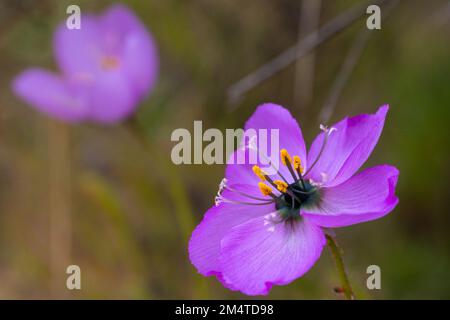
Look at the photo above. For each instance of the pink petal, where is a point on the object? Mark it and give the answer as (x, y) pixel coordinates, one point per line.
(121, 22)
(240, 164)
(136, 46)
(111, 98)
(114, 57)
(204, 245)
(49, 93)
(364, 197)
(140, 59)
(348, 147)
(255, 257)
(268, 116)
(79, 51)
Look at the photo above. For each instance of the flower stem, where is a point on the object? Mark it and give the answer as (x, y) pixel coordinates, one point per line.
(60, 230)
(337, 255)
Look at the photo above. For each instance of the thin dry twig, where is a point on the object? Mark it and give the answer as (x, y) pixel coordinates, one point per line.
(346, 70)
(60, 237)
(442, 16)
(304, 68)
(350, 62)
(312, 40)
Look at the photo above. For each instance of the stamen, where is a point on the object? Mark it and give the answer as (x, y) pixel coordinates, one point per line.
(298, 165)
(223, 185)
(261, 174)
(278, 171)
(327, 131)
(252, 146)
(265, 189)
(281, 185)
(285, 157)
(287, 161)
(264, 177)
(244, 194)
(220, 199)
(299, 169)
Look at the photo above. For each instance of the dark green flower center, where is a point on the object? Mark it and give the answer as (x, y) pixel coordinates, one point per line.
(296, 197)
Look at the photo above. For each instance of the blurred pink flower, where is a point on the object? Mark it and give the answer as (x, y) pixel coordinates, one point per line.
(250, 241)
(107, 67)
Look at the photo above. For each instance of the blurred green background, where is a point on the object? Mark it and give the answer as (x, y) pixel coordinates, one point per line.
(93, 196)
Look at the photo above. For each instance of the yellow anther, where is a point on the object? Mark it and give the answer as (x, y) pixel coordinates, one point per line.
(265, 190)
(298, 164)
(285, 157)
(257, 170)
(281, 185)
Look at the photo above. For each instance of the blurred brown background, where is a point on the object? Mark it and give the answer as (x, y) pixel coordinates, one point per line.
(92, 196)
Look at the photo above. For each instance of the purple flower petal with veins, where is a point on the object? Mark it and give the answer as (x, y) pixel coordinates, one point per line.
(252, 241)
(106, 68)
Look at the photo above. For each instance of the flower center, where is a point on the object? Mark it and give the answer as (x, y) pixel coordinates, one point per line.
(109, 63)
(295, 197)
(288, 197)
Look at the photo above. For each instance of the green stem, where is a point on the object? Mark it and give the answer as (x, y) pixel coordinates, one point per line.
(337, 255)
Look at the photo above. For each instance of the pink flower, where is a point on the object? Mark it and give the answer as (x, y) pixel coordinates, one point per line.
(107, 67)
(252, 241)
